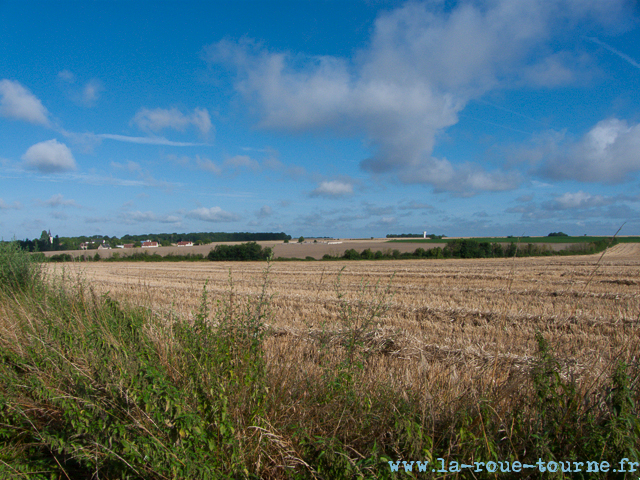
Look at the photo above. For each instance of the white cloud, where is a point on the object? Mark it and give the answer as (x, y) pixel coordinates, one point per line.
(49, 157)
(161, 118)
(413, 205)
(59, 215)
(201, 120)
(207, 165)
(578, 200)
(67, 76)
(137, 216)
(265, 211)
(466, 180)
(608, 153)
(131, 166)
(242, 161)
(133, 217)
(6, 206)
(424, 63)
(553, 71)
(91, 92)
(170, 219)
(333, 188)
(213, 214)
(19, 103)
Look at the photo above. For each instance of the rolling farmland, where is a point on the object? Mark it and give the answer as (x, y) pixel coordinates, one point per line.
(447, 318)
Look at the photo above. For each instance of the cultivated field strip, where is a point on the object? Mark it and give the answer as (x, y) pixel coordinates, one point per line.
(448, 325)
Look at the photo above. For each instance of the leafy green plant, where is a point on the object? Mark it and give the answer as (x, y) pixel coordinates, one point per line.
(18, 270)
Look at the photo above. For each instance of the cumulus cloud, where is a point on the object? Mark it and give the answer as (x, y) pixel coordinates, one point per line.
(213, 214)
(422, 66)
(49, 157)
(20, 104)
(608, 153)
(332, 189)
(161, 118)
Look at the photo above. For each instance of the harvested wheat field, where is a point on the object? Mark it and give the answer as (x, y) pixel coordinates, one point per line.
(433, 324)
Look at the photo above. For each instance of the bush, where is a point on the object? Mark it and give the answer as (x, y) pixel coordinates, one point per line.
(18, 270)
(367, 254)
(61, 257)
(351, 254)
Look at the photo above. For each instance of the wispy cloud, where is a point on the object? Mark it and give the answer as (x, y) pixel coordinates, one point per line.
(161, 118)
(67, 76)
(91, 92)
(133, 217)
(58, 200)
(213, 214)
(242, 161)
(265, 211)
(6, 206)
(207, 165)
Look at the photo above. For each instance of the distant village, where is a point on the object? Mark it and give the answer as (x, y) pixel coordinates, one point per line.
(50, 242)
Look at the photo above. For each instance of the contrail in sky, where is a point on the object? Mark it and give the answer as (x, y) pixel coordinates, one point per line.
(613, 50)
(149, 140)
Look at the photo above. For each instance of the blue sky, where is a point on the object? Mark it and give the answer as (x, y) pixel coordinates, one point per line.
(324, 118)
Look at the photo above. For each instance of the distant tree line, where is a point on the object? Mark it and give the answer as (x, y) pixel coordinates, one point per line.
(467, 248)
(557, 234)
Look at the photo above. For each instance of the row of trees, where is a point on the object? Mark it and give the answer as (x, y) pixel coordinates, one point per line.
(467, 248)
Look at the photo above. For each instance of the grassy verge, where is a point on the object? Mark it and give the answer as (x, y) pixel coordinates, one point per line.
(92, 388)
